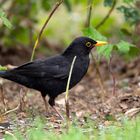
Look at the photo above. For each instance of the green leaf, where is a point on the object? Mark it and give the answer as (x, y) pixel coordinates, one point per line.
(4, 19)
(123, 46)
(94, 34)
(134, 51)
(108, 3)
(105, 51)
(2, 68)
(128, 50)
(126, 32)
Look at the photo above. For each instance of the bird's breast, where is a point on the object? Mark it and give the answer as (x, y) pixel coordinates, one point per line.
(56, 86)
(79, 70)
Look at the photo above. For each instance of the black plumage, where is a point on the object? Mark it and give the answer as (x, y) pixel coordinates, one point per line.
(50, 75)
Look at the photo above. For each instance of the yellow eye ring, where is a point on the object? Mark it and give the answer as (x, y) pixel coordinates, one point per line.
(88, 44)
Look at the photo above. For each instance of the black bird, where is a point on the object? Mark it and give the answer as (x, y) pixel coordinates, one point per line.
(50, 75)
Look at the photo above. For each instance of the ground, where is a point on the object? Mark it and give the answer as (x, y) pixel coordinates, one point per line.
(89, 98)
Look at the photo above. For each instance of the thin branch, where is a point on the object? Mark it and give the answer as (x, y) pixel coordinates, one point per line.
(101, 82)
(108, 15)
(12, 110)
(87, 23)
(43, 27)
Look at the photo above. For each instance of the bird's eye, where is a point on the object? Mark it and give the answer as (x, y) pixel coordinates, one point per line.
(88, 44)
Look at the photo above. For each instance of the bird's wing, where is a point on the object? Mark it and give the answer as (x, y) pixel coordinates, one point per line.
(49, 69)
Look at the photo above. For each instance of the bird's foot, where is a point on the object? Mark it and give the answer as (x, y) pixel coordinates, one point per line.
(58, 113)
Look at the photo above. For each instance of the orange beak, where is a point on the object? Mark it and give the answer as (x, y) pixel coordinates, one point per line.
(100, 43)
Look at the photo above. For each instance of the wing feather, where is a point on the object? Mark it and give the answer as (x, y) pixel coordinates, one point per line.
(54, 67)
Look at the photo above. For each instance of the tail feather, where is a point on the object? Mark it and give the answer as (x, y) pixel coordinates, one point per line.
(20, 79)
(2, 73)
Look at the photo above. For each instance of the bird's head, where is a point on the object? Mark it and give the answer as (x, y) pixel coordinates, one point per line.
(82, 46)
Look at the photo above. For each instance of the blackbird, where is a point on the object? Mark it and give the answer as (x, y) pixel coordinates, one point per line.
(50, 75)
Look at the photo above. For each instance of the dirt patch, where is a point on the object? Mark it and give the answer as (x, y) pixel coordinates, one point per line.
(87, 99)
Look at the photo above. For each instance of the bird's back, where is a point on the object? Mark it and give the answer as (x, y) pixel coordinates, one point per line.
(49, 75)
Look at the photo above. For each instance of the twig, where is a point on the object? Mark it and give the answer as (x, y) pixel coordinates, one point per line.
(67, 91)
(12, 110)
(108, 15)
(43, 27)
(87, 23)
(101, 82)
(20, 105)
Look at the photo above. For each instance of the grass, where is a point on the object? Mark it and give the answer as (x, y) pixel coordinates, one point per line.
(40, 130)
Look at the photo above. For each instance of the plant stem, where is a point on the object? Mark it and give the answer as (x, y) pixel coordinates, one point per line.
(87, 23)
(67, 91)
(70, 73)
(43, 27)
(101, 82)
(108, 15)
(12, 110)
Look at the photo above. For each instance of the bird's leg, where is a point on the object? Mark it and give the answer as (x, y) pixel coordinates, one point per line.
(52, 104)
(54, 108)
(46, 104)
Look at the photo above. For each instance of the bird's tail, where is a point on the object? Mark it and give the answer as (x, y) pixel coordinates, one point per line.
(23, 80)
(2, 73)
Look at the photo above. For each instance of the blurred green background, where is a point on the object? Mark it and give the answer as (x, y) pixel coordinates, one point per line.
(28, 16)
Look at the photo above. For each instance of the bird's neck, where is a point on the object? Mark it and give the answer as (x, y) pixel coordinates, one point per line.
(71, 52)
(70, 57)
